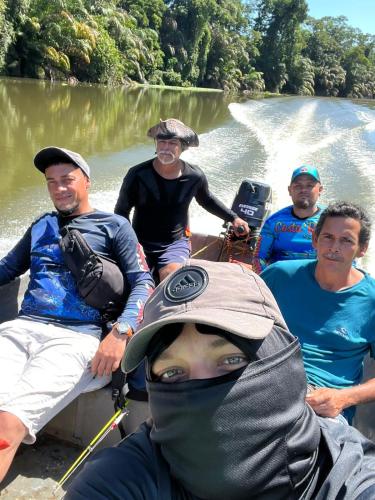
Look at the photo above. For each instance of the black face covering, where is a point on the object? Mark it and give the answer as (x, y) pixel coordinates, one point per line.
(248, 434)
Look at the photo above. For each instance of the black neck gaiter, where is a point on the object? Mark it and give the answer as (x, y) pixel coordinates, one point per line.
(248, 434)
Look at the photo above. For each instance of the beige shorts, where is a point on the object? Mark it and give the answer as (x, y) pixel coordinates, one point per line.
(43, 367)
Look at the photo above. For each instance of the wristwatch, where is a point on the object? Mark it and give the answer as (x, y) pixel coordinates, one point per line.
(123, 328)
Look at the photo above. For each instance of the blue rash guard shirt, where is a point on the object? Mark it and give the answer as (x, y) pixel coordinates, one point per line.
(284, 236)
(52, 294)
(336, 329)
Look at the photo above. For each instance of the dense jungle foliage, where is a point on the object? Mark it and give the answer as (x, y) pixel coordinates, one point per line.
(252, 46)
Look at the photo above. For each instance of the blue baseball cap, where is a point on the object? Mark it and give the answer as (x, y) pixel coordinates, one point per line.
(305, 170)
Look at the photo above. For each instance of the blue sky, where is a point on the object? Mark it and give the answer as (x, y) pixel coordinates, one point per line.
(360, 13)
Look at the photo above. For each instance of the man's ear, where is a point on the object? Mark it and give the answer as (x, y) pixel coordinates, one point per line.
(314, 239)
(321, 189)
(362, 250)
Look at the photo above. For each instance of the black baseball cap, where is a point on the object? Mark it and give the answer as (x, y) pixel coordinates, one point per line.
(53, 154)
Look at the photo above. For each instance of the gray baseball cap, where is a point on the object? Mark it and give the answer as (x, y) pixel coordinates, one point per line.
(53, 154)
(174, 129)
(221, 294)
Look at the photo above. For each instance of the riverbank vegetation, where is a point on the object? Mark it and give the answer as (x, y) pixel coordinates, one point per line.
(263, 45)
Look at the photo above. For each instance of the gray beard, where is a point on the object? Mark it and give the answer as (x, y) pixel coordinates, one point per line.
(168, 162)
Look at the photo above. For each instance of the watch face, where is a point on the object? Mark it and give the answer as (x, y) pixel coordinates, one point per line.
(122, 328)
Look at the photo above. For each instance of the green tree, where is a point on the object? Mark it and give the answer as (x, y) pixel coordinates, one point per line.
(106, 62)
(52, 38)
(228, 44)
(210, 43)
(139, 47)
(186, 35)
(233, 49)
(147, 14)
(278, 21)
(6, 34)
(341, 56)
(302, 76)
(360, 73)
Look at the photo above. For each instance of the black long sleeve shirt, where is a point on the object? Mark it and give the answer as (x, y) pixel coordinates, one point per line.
(161, 206)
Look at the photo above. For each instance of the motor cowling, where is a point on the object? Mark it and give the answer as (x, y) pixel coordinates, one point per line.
(253, 202)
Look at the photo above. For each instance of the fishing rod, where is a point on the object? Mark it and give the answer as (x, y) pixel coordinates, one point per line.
(112, 424)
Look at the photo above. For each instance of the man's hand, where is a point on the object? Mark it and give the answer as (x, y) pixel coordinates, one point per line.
(327, 402)
(240, 227)
(109, 354)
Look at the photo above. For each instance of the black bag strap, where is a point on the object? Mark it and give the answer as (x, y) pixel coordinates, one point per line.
(100, 280)
(77, 253)
(78, 256)
(118, 384)
(118, 394)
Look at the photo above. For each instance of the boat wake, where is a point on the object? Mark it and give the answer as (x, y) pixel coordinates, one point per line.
(336, 135)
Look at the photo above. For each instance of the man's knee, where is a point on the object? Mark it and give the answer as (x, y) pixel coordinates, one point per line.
(168, 269)
(12, 432)
(12, 429)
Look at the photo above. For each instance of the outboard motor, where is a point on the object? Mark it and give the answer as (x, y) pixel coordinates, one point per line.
(253, 204)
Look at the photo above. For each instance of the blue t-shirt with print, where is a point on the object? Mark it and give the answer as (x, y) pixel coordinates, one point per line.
(336, 329)
(52, 294)
(284, 236)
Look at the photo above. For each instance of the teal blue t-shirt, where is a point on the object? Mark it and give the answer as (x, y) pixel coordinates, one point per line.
(336, 329)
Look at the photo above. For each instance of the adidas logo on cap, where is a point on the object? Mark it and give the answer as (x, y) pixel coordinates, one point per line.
(186, 284)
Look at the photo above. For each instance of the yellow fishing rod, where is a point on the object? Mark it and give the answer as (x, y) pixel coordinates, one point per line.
(112, 424)
(204, 248)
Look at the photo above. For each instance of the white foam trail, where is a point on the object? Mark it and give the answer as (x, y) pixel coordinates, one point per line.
(217, 155)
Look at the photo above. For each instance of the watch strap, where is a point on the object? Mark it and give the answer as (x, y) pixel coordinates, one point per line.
(123, 329)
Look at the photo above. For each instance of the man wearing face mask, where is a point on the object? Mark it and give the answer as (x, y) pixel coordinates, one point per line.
(160, 190)
(227, 395)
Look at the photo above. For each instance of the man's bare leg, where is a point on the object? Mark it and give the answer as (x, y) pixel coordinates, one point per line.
(12, 432)
(168, 269)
